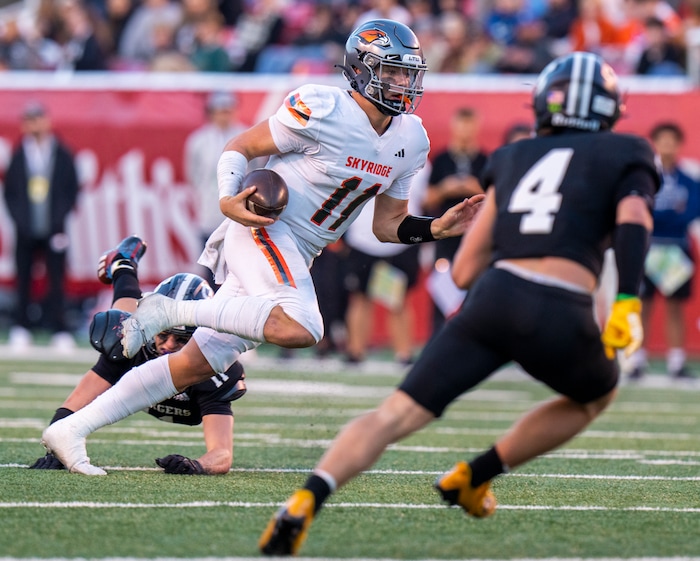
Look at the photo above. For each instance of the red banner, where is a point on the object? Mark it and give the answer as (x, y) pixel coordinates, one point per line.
(128, 141)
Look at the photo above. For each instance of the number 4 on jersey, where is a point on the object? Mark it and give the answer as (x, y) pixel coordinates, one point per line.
(537, 193)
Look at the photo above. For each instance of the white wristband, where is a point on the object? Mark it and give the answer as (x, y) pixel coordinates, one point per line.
(230, 171)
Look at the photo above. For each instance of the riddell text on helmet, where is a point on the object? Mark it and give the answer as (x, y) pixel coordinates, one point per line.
(559, 120)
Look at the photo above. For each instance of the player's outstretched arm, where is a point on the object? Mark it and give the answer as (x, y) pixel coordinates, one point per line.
(623, 328)
(393, 223)
(458, 219)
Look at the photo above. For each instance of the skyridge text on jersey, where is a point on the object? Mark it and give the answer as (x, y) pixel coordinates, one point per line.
(370, 167)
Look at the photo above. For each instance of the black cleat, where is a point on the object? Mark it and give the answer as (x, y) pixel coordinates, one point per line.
(126, 255)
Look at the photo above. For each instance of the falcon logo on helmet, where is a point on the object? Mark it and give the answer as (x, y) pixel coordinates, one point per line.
(384, 63)
(376, 37)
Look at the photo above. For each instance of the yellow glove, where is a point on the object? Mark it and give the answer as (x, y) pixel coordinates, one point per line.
(623, 330)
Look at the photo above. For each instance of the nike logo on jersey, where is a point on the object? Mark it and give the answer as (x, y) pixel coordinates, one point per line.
(400, 153)
(370, 167)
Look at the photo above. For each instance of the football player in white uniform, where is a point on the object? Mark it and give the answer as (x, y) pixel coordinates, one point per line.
(336, 149)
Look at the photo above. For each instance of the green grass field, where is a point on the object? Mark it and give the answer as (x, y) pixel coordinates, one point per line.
(629, 487)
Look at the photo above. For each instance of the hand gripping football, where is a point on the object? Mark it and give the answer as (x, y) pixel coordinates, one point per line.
(271, 196)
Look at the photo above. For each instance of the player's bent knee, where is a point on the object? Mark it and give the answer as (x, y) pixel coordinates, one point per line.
(403, 414)
(282, 330)
(597, 406)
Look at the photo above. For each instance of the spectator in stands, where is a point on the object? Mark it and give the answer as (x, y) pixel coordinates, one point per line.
(202, 150)
(504, 19)
(639, 11)
(592, 31)
(41, 189)
(209, 54)
(313, 51)
(454, 176)
(25, 48)
(165, 56)
(143, 32)
(691, 14)
(518, 36)
(260, 25)
(557, 21)
(118, 13)
(462, 46)
(385, 9)
(322, 40)
(669, 265)
(81, 49)
(661, 57)
(192, 13)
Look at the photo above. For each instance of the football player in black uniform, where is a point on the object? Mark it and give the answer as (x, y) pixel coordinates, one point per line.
(531, 261)
(207, 403)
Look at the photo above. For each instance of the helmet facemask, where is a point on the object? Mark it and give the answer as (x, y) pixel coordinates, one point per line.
(395, 87)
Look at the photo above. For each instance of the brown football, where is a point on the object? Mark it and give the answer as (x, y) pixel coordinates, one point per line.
(271, 196)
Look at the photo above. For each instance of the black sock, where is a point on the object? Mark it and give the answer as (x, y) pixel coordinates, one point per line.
(486, 466)
(320, 489)
(125, 284)
(61, 413)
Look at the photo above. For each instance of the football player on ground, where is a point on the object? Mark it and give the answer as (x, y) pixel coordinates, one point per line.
(531, 263)
(335, 148)
(207, 403)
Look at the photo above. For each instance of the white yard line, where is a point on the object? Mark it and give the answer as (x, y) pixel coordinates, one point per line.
(258, 440)
(340, 559)
(602, 477)
(392, 506)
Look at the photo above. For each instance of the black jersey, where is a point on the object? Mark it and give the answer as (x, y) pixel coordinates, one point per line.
(211, 397)
(557, 195)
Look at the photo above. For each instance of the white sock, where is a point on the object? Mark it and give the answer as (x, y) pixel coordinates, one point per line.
(675, 359)
(328, 478)
(138, 389)
(244, 316)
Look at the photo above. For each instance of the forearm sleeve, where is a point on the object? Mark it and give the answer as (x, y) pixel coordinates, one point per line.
(630, 243)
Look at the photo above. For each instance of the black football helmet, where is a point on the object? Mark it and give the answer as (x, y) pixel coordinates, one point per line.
(577, 91)
(385, 64)
(106, 333)
(184, 286)
(106, 327)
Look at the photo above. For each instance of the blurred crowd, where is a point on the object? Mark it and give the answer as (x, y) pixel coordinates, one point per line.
(308, 36)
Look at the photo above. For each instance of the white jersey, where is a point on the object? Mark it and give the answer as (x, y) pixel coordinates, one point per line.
(334, 161)
(359, 235)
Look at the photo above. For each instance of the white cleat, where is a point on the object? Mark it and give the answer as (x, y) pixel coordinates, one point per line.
(60, 439)
(86, 468)
(152, 316)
